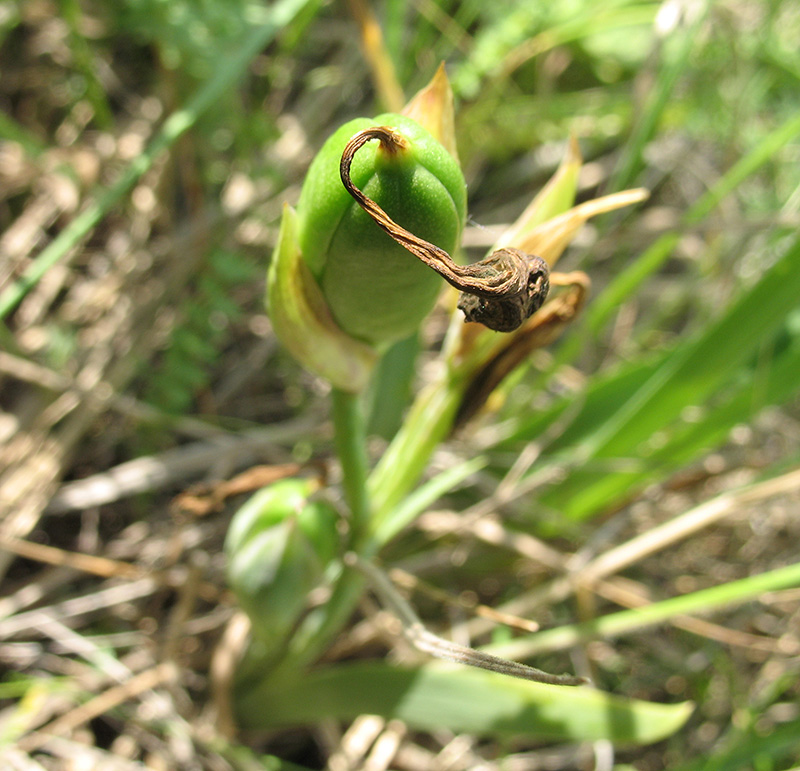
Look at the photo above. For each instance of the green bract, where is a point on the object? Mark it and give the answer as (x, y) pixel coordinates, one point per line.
(375, 289)
(278, 546)
(303, 322)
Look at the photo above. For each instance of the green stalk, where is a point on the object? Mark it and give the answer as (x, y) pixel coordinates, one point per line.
(350, 440)
(428, 423)
(374, 513)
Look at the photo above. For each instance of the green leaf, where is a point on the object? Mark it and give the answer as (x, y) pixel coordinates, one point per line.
(634, 619)
(690, 376)
(438, 696)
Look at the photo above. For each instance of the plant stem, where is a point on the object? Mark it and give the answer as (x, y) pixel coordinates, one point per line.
(427, 424)
(350, 440)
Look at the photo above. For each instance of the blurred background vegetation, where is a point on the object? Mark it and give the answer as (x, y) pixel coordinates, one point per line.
(146, 150)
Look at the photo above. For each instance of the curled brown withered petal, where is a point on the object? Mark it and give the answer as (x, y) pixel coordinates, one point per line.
(500, 292)
(541, 331)
(508, 312)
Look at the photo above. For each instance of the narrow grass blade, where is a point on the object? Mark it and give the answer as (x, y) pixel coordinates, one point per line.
(682, 445)
(426, 495)
(626, 282)
(628, 621)
(668, 75)
(692, 374)
(584, 412)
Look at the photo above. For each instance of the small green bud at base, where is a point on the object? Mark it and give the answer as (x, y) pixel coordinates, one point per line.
(278, 546)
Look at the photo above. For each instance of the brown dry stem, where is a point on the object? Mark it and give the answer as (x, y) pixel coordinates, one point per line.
(501, 292)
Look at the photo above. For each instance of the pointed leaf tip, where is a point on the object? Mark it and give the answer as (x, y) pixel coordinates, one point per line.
(556, 197)
(432, 107)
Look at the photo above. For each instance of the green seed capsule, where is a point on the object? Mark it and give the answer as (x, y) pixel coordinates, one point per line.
(376, 290)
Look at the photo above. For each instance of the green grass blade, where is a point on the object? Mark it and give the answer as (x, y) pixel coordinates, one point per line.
(627, 621)
(584, 412)
(764, 152)
(699, 367)
(684, 444)
(668, 75)
(423, 497)
(626, 282)
(460, 700)
(777, 385)
(207, 95)
(689, 377)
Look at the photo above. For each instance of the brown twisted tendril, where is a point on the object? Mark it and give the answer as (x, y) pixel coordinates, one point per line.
(501, 292)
